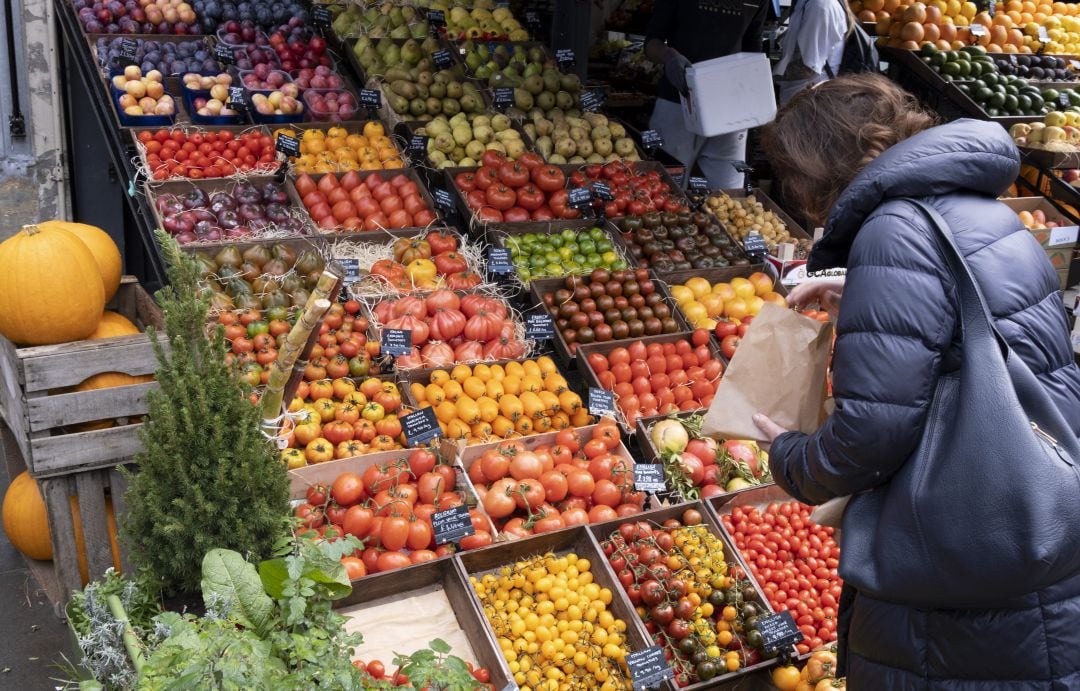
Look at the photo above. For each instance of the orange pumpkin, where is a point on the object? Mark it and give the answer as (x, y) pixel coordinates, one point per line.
(113, 324)
(80, 544)
(105, 251)
(65, 307)
(107, 380)
(25, 520)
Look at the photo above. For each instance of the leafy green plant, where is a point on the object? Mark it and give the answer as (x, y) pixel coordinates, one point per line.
(208, 478)
(435, 668)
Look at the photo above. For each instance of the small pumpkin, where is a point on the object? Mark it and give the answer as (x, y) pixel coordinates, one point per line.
(113, 324)
(105, 251)
(51, 290)
(25, 520)
(107, 380)
(80, 543)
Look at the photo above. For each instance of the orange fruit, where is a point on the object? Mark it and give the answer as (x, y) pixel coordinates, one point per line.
(912, 31)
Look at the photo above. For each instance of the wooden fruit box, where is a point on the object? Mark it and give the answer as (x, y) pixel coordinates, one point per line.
(539, 286)
(432, 600)
(603, 531)
(578, 540)
(759, 498)
(592, 380)
(44, 416)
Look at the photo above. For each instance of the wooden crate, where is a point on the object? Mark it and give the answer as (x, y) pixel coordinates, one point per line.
(61, 576)
(603, 531)
(39, 411)
(441, 577)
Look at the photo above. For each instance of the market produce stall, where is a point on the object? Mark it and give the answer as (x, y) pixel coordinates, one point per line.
(443, 330)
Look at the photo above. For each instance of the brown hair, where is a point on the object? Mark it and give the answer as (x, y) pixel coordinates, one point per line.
(825, 135)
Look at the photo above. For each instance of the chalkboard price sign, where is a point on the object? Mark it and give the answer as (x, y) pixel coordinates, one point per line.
(591, 101)
(502, 97)
(601, 402)
(442, 59)
(288, 145)
(224, 54)
(351, 267)
(370, 98)
(754, 244)
(499, 261)
(778, 631)
(539, 327)
(648, 668)
(396, 341)
(651, 139)
(649, 477)
(579, 197)
(452, 525)
(129, 48)
(421, 427)
(320, 15)
(443, 199)
(565, 58)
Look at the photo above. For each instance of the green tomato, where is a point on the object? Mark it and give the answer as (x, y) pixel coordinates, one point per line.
(604, 246)
(619, 265)
(555, 241)
(554, 269)
(565, 252)
(568, 234)
(609, 257)
(597, 233)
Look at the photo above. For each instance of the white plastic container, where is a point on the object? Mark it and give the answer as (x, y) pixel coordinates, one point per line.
(729, 94)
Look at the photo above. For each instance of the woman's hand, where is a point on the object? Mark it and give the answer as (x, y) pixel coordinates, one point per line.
(824, 293)
(770, 428)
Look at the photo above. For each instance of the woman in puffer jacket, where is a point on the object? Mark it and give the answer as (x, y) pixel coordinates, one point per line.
(848, 151)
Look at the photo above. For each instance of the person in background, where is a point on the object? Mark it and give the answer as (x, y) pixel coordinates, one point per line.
(813, 45)
(683, 32)
(851, 151)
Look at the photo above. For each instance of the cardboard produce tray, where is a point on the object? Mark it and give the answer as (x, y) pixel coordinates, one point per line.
(154, 190)
(410, 173)
(756, 497)
(592, 380)
(497, 234)
(539, 286)
(603, 531)
(440, 593)
(578, 540)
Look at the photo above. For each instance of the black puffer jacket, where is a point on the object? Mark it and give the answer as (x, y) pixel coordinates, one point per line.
(897, 321)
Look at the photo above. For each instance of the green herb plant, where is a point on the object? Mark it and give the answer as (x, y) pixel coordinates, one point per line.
(207, 478)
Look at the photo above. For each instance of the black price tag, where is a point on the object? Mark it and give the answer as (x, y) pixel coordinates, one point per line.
(396, 341)
(224, 54)
(421, 427)
(499, 261)
(566, 58)
(502, 97)
(698, 184)
(579, 197)
(778, 631)
(649, 668)
(237, 99)
(755, 244)
(453, 524)
(436, 18)
(532, 22)
(288, 145)
(601, 402)
(651, 139)
(649, 477)
(602, 191)
(1063, 100)
(129, 49)
(539, 327)
(370, 98)
(418, 147)
(591, 101)
(351, 269)
(443, 200)
(320, 15)
(442, 59)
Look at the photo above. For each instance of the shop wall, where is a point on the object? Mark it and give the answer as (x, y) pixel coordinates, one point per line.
(32, 164)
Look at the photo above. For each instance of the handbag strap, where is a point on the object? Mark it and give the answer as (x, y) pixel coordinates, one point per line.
(977, 325)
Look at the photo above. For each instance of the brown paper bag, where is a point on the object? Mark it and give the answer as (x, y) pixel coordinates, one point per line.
(778, 370)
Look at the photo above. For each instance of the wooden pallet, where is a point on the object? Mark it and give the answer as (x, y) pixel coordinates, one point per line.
(92, 489)
(40, 411)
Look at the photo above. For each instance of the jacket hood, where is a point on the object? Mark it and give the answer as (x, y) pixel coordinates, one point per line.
(964, 155)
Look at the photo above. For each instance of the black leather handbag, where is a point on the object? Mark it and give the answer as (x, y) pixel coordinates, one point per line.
(988, 507)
